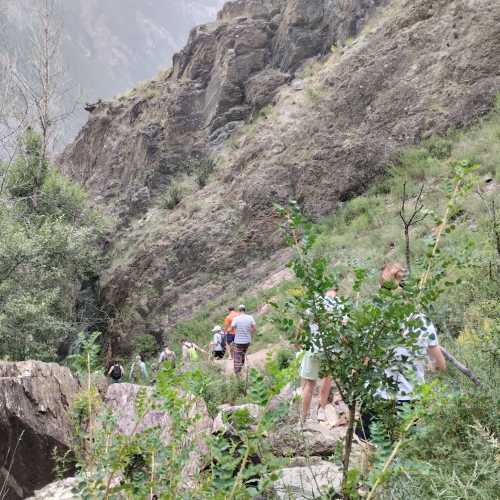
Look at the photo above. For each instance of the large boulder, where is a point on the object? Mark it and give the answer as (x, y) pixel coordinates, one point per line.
(308, 478)
(35, 399)
(58, 490)
(121, 398)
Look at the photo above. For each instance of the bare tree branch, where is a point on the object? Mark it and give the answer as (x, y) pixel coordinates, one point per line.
(415, 217)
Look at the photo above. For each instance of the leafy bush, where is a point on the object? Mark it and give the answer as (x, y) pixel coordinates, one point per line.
(145, 345)
(48, 245)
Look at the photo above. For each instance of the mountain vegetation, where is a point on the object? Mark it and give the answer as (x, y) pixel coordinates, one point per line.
(294, 146)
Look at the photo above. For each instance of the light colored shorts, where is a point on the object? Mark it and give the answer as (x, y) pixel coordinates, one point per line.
(310, 366)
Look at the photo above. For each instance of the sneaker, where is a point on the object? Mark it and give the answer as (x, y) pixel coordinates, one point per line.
(321, 414)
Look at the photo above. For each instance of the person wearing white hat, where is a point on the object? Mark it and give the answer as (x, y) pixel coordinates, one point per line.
(218, 344)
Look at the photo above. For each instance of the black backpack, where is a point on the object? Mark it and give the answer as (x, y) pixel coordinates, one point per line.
(116, 372)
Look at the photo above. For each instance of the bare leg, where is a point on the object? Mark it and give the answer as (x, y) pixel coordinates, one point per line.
(324, 392)
(307, 393)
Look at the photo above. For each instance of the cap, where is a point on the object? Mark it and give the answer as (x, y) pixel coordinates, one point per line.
(241, 307)
(216, 328)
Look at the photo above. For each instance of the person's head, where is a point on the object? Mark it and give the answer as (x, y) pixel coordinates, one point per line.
(392, 273)
(332, 292)
(114, 362)
(138, 357)
(242, 308)
(230, 308)
(216, 329)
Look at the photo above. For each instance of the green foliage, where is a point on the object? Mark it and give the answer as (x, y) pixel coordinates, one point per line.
(48, 245)
(145, 345)
(86, 356)
(239, 465)
(172, 196)
(202, 168)
(29, 169)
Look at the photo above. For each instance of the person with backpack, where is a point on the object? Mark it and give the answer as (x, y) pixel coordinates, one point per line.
(167, 356)
(116, 372)
(218, 344)
(244, 327)
(138, 371)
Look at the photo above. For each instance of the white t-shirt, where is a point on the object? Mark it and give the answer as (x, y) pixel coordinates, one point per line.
(243, 326)
(413, 372)
(330, 303)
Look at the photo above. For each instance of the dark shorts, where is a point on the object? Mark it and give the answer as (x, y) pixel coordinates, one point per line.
(229, 338)
(218, 354)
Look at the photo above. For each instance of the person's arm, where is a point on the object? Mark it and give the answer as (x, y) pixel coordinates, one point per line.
(109, 371)
(436, 355)
(131, 371)
(122, 370)
(145, 370)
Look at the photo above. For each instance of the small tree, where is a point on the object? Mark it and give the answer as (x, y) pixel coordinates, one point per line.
(416, 216)
(356, 352)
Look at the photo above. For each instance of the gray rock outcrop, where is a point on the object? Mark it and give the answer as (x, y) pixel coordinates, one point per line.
(35, 399)
(121, 399)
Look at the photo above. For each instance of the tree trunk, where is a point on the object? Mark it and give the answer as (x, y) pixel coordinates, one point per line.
(348, 447)
(407, 249)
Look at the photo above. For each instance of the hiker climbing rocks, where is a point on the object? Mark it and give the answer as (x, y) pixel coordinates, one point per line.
(218, 344)
(244, 327)
(167, 356)
(229, 330)
(311, 364)
(138, 371)
(116, 372)
(412, 371)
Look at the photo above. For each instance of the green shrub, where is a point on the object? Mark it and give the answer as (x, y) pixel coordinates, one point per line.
(202, 169)
(172, 196)
(439, 148)
(145, 345)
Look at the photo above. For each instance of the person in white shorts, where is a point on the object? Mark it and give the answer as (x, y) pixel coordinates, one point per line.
(311, 365)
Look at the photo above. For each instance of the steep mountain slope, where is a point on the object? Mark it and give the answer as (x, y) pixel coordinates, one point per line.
(415, 68)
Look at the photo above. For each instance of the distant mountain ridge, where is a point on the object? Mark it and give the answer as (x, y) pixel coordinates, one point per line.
(111, 45)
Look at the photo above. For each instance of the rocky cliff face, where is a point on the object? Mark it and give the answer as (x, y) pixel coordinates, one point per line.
(382, 75)
(35, 399)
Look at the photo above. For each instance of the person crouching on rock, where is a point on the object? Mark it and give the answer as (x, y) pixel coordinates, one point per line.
(116, 372)
(218, 344)
(244, 327)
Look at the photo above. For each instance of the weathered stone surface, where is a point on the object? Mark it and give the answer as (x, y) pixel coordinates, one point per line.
(35, 399)
(416, 69)
(58, 490)
(121, 398)
(308, 478)
(314, 439)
